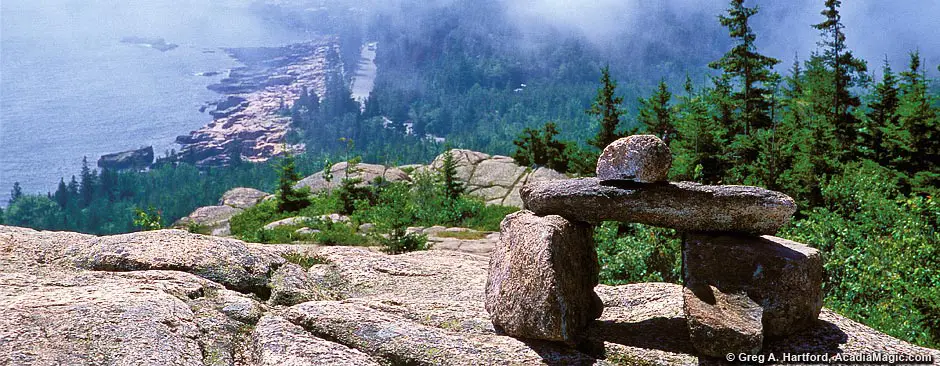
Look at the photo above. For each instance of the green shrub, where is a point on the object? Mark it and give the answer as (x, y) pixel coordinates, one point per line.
(149, 219)
(197, 228)
(462, 235)
(630, 253)
(393, 212)
(338, 234)
(304, 260)
(881, 251)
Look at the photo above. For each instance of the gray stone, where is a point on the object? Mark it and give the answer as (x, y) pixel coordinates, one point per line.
(721, 323)
(782, 276)
(365, 172)
(683, 206)
(212, 220)
(290, 285)
(399, 340)
(541, 279)
(306, 231)
(366, 228)
(242, 198)
(640, 158)
(226, 261)
(131, 159)
(334, 217)
(241, 308)
(495, 178)
(409, 308)
(296, 220)
(281, 343)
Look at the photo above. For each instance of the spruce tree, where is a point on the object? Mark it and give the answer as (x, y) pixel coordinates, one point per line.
(62, 193)
(290, 199)
(751, 70)
(880, 126)
(846, 72)
(606, 107)
(16, 192)
(656, 116)
(87, 184)
(453, 187)
(918, 119)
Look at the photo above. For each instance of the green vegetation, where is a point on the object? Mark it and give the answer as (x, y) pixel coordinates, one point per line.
(288, 198)
(391, 206)
(462, 235)
(864, 174)
(105, 202)
(147, 220)
(858, 155)
(304, 260)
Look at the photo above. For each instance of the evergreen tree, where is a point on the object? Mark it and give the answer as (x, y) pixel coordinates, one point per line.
(15, 193)
(73, 188)
(846, 72)
(750, 69)
(606, 107)
(536, 148)
(453, 187)
(918, 118)
(880, 126)
(290, 199)
(87, 185)
(62, 194)
(656, 116)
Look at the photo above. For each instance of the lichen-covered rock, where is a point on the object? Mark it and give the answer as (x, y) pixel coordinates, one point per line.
(640, 158)
(782, 276)
(241, 308)
(296, 220)
(282, 343)
(396, 339)
(58, 316)
(495, 178)
(365, 172)
(721, 323)
(290, 285)
(131, 159)
(683, 206)
(212, 220)
(428, 303)
(226, 261)
(241, 197)
(542, 277)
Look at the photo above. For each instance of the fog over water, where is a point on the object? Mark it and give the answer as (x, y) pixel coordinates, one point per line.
(69, 88)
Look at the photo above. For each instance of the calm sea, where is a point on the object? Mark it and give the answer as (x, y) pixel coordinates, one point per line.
(69, 88)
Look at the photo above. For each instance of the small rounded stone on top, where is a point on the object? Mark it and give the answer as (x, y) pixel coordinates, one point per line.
(640, 158)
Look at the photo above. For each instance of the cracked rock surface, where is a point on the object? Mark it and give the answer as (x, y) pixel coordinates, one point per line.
(57, 306)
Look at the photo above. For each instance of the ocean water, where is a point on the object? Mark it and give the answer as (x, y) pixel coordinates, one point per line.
(69, 88)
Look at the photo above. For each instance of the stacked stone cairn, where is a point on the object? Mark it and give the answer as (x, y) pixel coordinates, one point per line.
(740, 284)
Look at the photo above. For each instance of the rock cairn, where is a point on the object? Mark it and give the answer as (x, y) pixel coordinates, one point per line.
(740, 284)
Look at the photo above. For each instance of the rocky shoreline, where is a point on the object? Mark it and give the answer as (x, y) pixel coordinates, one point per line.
(247, 121)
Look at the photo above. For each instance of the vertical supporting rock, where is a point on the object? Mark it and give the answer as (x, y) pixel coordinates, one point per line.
(541, 278)
(721, 323)
(782, 276)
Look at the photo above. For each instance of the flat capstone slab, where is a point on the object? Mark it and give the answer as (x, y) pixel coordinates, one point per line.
(682, 206)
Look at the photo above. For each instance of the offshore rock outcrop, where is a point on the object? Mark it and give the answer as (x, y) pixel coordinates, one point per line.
(131, 159)
(246, 119)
